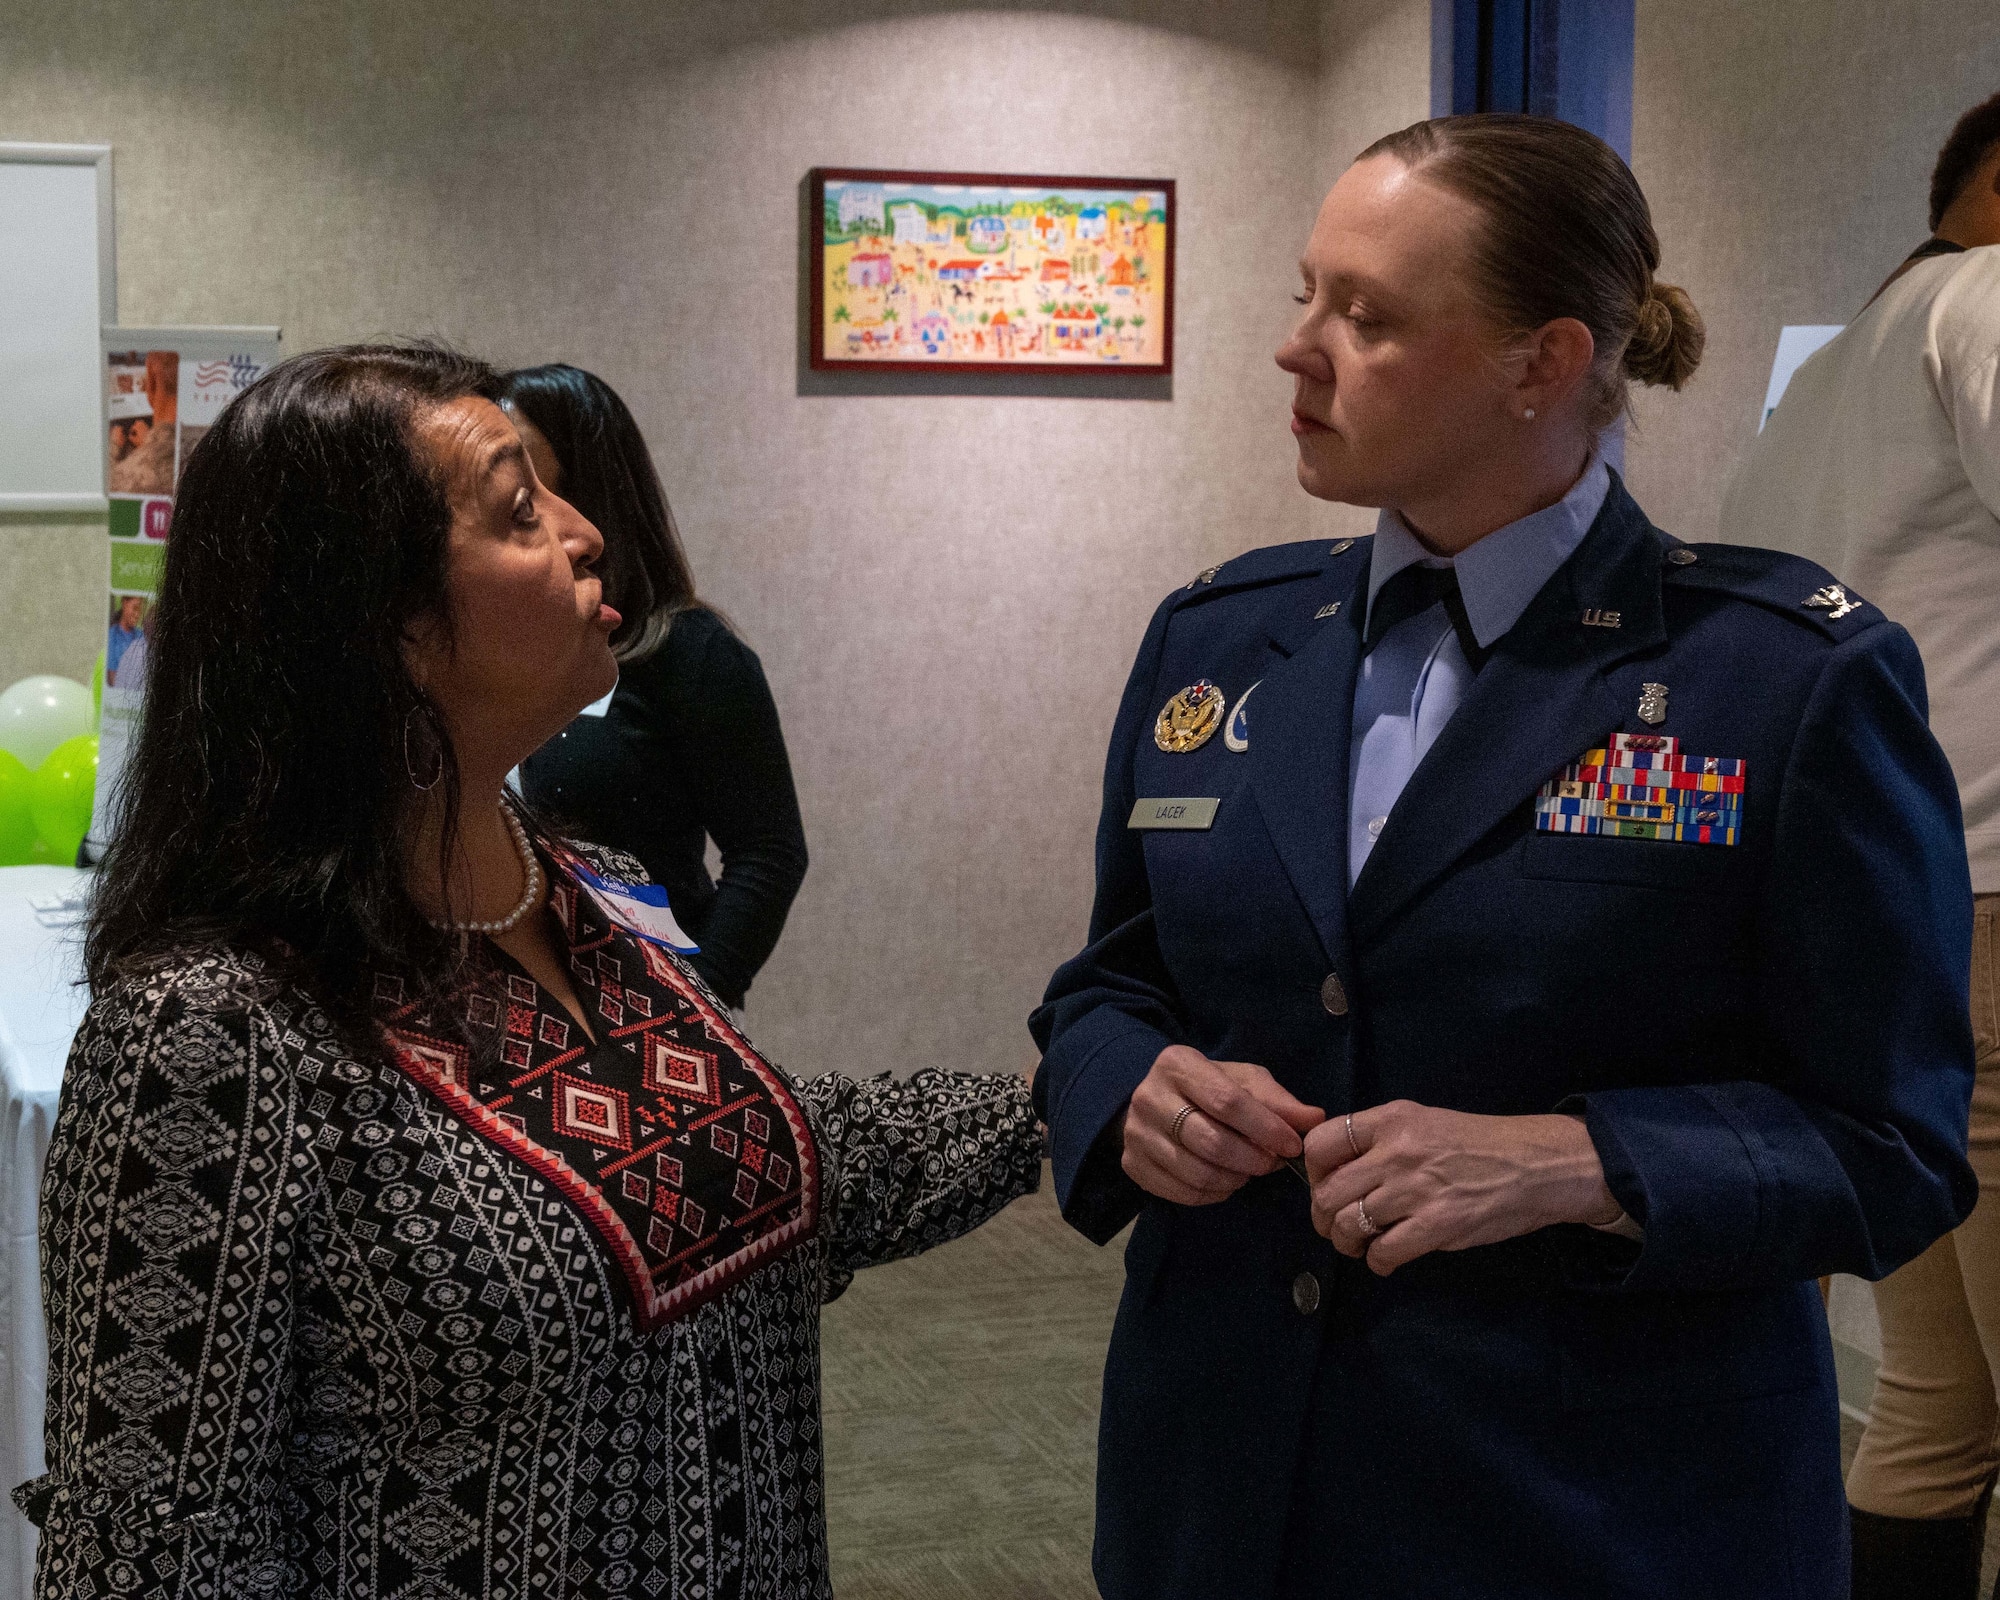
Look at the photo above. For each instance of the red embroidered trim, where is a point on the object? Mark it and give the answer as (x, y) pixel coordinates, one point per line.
(442, 1070)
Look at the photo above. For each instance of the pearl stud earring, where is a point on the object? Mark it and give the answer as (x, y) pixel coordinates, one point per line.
(1528, 415)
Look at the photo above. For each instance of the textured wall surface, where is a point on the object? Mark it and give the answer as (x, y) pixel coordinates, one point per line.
(53, 571)
(1787, 150)
(946, 588)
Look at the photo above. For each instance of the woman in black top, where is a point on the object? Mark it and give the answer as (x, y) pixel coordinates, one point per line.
(689, 748)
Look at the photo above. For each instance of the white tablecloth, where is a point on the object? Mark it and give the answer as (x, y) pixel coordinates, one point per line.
(40, 1006)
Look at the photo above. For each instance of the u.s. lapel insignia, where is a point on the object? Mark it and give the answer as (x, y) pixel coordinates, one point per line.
(1189, 720)
(1236, 731)
(1206, 575)
(1596, 617)
(1341, 548)
(1330, 609)
(1833, 600)
(1652, 703)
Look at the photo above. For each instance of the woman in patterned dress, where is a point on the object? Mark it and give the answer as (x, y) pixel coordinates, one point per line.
(417, 1224)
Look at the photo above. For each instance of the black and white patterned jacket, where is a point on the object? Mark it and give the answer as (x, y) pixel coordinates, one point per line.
(312, 1335)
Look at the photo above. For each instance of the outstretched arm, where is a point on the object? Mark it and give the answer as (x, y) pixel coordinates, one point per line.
(916, 1163)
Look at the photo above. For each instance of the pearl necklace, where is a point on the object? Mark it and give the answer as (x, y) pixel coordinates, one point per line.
(529, 895)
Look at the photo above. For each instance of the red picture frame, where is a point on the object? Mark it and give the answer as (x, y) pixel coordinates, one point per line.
(1027, 272)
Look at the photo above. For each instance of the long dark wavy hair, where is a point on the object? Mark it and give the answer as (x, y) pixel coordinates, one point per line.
(268, 799)
(608, 475)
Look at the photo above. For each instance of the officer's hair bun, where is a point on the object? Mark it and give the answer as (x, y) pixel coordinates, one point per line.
(1667, 344)
(1565, 232)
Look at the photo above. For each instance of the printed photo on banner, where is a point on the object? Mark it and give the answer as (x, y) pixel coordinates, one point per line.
(125, 636)
(129, 412)
(145, 400)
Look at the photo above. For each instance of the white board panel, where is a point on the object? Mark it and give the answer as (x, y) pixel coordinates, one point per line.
(56, 291)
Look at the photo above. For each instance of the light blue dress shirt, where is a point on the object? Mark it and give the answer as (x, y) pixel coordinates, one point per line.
(1413, 680)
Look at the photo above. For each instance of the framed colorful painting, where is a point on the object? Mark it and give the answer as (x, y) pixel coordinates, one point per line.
(985, 271)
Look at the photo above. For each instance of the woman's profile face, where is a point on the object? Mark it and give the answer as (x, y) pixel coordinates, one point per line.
(530, 646)
(1399, 382)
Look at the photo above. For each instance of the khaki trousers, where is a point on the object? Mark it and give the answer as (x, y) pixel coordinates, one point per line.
(1933, 1438)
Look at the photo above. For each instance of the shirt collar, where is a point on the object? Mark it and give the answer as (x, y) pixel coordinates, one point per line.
(1500, 574)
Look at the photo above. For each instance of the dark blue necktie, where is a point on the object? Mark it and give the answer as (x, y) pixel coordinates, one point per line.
(1413, 591)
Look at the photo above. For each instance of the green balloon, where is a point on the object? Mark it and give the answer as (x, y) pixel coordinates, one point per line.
(17, 819)
(65, 785)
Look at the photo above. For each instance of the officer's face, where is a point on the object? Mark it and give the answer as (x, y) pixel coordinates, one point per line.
(1400, 393)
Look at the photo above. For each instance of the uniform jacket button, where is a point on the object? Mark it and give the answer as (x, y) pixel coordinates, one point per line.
(1305, 1294)
(1333, 995)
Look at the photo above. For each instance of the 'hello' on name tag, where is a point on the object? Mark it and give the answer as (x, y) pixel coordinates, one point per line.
(639, 908)
(1186, 813)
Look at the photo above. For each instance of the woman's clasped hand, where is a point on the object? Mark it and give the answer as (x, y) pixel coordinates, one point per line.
(1198, 1130)
(1401, 1180)
(1389, 1184)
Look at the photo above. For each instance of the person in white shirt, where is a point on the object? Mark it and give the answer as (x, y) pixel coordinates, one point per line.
(1882, 463)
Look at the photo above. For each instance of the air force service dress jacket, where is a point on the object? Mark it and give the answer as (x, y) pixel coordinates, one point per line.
(1767, 1039)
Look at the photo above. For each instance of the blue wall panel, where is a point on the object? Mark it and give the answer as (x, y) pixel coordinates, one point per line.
(1555, 58)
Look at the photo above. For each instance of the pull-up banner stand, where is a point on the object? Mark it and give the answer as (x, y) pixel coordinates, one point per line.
(163, 388)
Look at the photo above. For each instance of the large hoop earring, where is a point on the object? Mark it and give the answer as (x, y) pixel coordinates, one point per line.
(437, 750)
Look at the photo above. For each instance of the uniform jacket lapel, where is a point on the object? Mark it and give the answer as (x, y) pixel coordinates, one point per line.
(1541, 699)
(1299, 724)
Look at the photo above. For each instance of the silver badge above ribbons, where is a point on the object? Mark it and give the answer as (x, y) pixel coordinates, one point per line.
(1652, 703)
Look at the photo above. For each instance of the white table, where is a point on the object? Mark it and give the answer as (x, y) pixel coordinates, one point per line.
(40, 1006)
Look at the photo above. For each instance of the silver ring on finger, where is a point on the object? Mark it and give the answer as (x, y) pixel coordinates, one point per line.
(1367, 1223)
(1350, 1137)
(1180, 1120)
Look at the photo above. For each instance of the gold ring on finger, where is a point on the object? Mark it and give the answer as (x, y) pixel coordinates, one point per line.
(1180, 1120)
(1368, 1228)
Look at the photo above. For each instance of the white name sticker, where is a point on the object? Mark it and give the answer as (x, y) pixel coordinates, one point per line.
(639, 908)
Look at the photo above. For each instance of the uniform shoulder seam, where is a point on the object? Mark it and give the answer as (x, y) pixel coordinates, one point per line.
(1794, 586)
(1269, 564)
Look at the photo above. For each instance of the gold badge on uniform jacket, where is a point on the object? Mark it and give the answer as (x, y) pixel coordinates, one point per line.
(1189, 720)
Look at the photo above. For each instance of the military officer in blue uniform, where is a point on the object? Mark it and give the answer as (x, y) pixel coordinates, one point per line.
(1527, 951)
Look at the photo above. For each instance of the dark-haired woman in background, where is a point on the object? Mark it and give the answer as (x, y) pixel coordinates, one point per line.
(416, 1223)
(1581, 913)
(689, 748)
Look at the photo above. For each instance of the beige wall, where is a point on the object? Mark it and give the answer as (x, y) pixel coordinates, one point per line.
(53, 572)
(1786, 148)
(946, 589)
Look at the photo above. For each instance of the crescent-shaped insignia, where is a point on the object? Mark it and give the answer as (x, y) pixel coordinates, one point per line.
(1236, 731)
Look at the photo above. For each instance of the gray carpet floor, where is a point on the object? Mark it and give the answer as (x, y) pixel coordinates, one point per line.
(961, 1416)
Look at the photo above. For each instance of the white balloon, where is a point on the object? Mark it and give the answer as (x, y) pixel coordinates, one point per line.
(38, 713)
